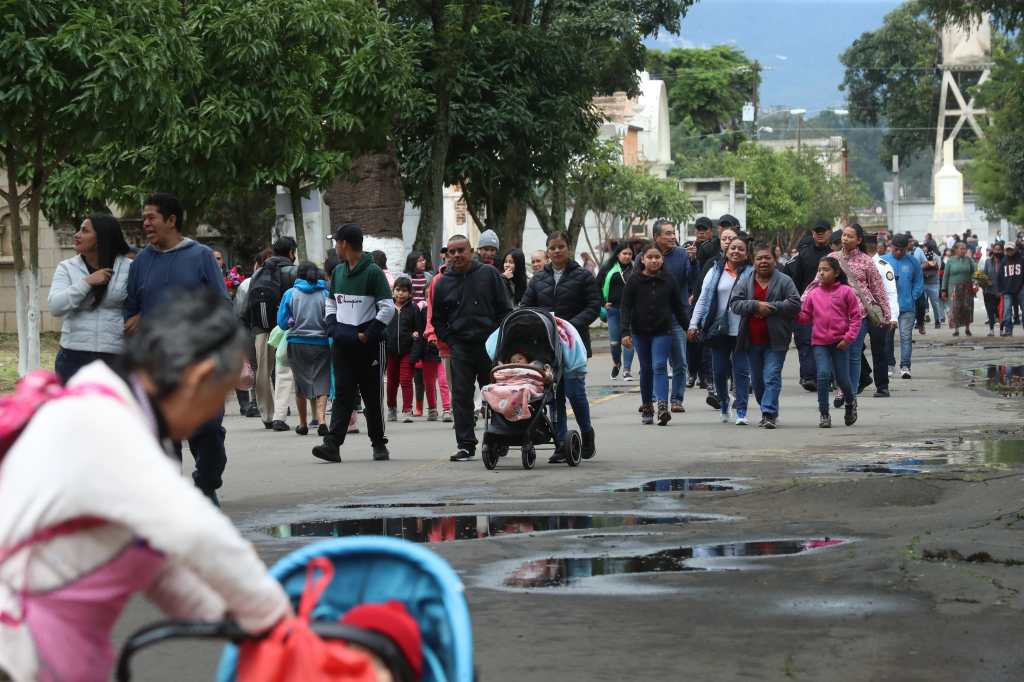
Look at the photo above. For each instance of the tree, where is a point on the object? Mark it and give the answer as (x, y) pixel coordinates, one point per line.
(1006, 14)
(76, 74)
(892, 78)
(244, 221)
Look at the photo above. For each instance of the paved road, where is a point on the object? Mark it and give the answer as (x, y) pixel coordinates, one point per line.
(873, 608)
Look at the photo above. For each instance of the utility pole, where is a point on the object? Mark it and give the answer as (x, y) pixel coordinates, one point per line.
(756, 68)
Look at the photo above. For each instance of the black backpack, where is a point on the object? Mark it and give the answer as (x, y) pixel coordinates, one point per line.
(265, 294)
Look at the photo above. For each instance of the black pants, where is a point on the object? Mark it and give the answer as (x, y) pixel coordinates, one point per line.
(881, 340)
(70, 361)
(471, 366)
(207, 446)
(921, 309)
(992, 309)
(358, 372)
(698, 362)
(802, 339)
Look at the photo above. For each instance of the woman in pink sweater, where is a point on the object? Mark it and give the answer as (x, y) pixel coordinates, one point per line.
(835, 315)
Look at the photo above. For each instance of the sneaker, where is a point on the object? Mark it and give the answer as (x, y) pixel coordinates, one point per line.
(851, 414)
(432, 415)
(268, 425)
(742, 421)
(328, 453)
(838, 400)
(991, 332)
(882, 393)
(392, 414)
(956, 332)
(301, 430)
(713, 401)
(825, 422)
(809, 385)
(760, 424)
(380, 452)
(615, 372)
(938, 325)
(664, 414)
(677, 406)
(314, 423)
(905, 373)
(627, 375)
(558, 457)
(253, 411)
(589, 446)
(322, 430)
(726, 418)
(446, 416)
(462, 455)
(407, 417)
(647, 414)
(278, 425)
(690, 382)
(771, 422)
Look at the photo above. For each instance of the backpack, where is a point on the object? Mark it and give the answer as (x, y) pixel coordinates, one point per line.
(265, 295)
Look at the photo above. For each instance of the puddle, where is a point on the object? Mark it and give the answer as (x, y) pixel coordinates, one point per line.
(915, 457)
(672, 485)
(403, 505)
(1007, 380)
(570, 571)
(605, 391)
(432, 529)
(880, 468)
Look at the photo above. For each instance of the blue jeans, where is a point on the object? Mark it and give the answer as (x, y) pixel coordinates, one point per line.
(726, 361)
(766, 373)
(1008, 302)
(678, 360)
(575, 389)
(857, 354)
(832, 361)
(615, 339)
(802, 338)
(653, 352)
(938, 312)
(906, 325)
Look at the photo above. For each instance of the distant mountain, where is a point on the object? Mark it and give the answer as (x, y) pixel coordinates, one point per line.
(798, 41)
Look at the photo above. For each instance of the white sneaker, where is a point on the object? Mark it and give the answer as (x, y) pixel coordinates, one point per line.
(905, 373)
(742, 421)
(726, 418)
(627, 375)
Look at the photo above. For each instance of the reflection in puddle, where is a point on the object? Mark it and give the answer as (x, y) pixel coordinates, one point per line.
(568, 571)
(1002, 379)
(671, 485)
(605, 391)
(430, 529)
(880, 468)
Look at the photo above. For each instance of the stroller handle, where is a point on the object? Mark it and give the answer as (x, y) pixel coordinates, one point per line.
(161, 631)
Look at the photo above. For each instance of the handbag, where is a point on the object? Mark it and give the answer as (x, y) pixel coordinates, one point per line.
(246, 378)
(875, 315)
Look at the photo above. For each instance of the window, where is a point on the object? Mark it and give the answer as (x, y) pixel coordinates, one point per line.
(709, 187)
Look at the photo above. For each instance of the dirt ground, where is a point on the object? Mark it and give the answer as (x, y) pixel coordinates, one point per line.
(927, 585)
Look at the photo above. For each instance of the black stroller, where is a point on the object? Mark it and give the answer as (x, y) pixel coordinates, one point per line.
(533, 332)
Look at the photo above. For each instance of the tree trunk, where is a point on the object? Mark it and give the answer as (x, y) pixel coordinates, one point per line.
(26, 283)
(513, 222)
(295, 194)
(432, 197)
(577, 222)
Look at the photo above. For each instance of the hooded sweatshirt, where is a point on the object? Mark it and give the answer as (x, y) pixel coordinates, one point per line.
(155, 275)
(1010, 274)
(360, 302)
(303, 313)
(834, 313)
(804, 268)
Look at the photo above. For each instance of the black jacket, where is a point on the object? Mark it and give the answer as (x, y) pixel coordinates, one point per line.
(575, 299)
(1010, 274)
(649, 304)
(405, 331)
(469, 305)
(617, 285)
(804, 268)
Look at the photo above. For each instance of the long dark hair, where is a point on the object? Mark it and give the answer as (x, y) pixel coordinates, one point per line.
(519, 282)
(611, 262)
(860, 233)
(833, 263)
(110, 244)
(410, 262)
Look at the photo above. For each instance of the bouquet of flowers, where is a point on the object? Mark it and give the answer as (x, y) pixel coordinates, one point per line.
(233, 279)
(981, 279)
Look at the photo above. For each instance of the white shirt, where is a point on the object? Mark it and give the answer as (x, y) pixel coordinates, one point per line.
(889, 280)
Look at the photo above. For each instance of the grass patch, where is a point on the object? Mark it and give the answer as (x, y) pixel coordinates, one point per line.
(48, 345)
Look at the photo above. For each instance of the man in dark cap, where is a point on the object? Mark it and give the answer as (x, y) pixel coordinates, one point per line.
(802, 270)
(698, 362)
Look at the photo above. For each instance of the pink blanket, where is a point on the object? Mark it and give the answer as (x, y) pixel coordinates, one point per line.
(513, 390)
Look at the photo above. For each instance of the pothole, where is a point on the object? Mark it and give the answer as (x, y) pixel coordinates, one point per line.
(1006, 380)
(570, 571)
(437, 528)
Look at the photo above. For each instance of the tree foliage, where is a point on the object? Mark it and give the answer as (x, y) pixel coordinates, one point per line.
(1006, 14)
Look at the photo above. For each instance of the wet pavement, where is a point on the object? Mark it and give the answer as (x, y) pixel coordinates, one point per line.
(672, 485)
(1006, 380)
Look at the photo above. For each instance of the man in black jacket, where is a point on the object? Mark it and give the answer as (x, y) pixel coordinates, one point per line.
(469, 303)
(803, 269)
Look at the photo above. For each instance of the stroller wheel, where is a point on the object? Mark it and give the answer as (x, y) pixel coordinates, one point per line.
(573, 449)
(529, 456)
(489, 457)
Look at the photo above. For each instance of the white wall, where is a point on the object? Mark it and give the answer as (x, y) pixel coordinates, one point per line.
(917, 216)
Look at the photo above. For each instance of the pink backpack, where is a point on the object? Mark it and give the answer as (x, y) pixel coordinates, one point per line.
(33, 391)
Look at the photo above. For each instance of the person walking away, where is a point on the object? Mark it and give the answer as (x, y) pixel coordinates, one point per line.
(833, 310)
(469, 303)
(612, 286)
(419, 277)
(513, 274)
(718, 326)
(958, 289)
(802, 269)
(89, 292)
(930, 271)
(651, 300)
(303, 314)
(910, 287)
(487, 248)
(118, 519)
(698, 363)
(358, 310)
(881, 336)
(570, 292)
(767, 304)
(1010, 284)
(989, 293)
(676, 266)
(269, 284)
(435, 350)
(170, 265)
(402, 343)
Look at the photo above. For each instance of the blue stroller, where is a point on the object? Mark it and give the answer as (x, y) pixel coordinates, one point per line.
(367, 570)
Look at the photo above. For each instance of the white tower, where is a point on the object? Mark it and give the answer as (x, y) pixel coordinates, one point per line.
(964, 50)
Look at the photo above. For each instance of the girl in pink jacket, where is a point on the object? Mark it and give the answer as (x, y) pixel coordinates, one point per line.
(834, 313)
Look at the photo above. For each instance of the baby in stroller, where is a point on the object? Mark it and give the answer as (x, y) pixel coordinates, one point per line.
(516, 384)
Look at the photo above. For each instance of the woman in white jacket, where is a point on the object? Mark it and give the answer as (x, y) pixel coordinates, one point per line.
(89, 291)
(98, 460)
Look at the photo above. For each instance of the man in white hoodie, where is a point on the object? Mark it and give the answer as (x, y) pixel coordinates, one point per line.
(882, 337)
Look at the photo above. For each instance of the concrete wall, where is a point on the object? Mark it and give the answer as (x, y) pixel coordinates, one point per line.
(916, 216)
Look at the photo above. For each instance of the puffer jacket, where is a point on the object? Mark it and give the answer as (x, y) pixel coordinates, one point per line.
(835, 314)
(97, 331)
(575, 298)
(405, 331)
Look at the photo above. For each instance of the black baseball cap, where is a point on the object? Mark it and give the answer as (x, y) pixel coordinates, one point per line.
(728, 221)
(351, 233)
(901, 241)
(821, 226)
